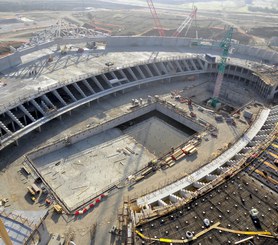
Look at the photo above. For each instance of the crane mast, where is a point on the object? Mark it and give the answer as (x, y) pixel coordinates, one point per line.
(155, 18)
(225, 45)
(187, 22)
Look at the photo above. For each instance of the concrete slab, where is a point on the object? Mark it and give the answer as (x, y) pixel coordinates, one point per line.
(79, 171)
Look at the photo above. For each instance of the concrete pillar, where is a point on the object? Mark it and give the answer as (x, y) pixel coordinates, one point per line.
(36, 114)
(13, 126)
(25, 121)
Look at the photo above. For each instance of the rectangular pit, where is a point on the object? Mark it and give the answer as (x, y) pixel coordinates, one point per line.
(82, 166)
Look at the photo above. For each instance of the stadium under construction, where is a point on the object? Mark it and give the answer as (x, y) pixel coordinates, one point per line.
(132, 129)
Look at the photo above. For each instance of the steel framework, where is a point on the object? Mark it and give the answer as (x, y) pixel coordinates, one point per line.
(155, 18)
(225, 45)
(186, 23)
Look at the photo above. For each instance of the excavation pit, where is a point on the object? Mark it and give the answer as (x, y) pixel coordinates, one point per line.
(77, 170)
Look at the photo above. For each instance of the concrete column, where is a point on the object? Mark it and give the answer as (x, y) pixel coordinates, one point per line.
(206, 66)
(25, 121)
(13, 126)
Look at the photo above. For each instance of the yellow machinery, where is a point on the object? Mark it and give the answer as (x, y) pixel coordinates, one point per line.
(4, 234)
(58, 209)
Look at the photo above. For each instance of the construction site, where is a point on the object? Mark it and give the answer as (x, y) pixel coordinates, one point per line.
(166, 134)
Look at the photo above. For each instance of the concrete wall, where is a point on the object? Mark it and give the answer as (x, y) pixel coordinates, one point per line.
(10, 61)
(114, 123)
(180, 118)
(92, 131)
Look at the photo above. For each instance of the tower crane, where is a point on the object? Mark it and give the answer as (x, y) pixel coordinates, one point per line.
(186, 23)
(225, 45)
(155, 18)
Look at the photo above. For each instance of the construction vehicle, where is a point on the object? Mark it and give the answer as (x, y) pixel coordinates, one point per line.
(57, 208)
(186, 23)
(34, 191)
(155, 18)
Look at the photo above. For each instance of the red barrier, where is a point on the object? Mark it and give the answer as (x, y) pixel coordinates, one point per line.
(91, 205)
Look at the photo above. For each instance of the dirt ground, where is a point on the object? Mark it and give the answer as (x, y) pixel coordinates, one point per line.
(252, 28)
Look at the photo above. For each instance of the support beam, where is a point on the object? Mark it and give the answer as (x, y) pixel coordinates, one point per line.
(201, 64)
(15, 119)
(97, 83)
(3, 126)
(140, 72)
(132, 73)
(185, 65)
(193, 64)
(80, 91)
(106, 80)
(113, 75)
(178, 65)
(69, 93)
(47, 101)
(85, 82)
(58, 96)
(38, 107)
(148, 70)
(123, 74)
(156, 69)
(164, 68)
(27, 113)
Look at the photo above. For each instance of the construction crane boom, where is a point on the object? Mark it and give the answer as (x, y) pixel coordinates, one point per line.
(225, 45)
(4, 234)
(187, 22)
(155, 18)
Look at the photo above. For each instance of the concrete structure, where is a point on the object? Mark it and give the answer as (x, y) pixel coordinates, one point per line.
(37, 102)
(34, 110)
(206, 172)
(25, 227)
